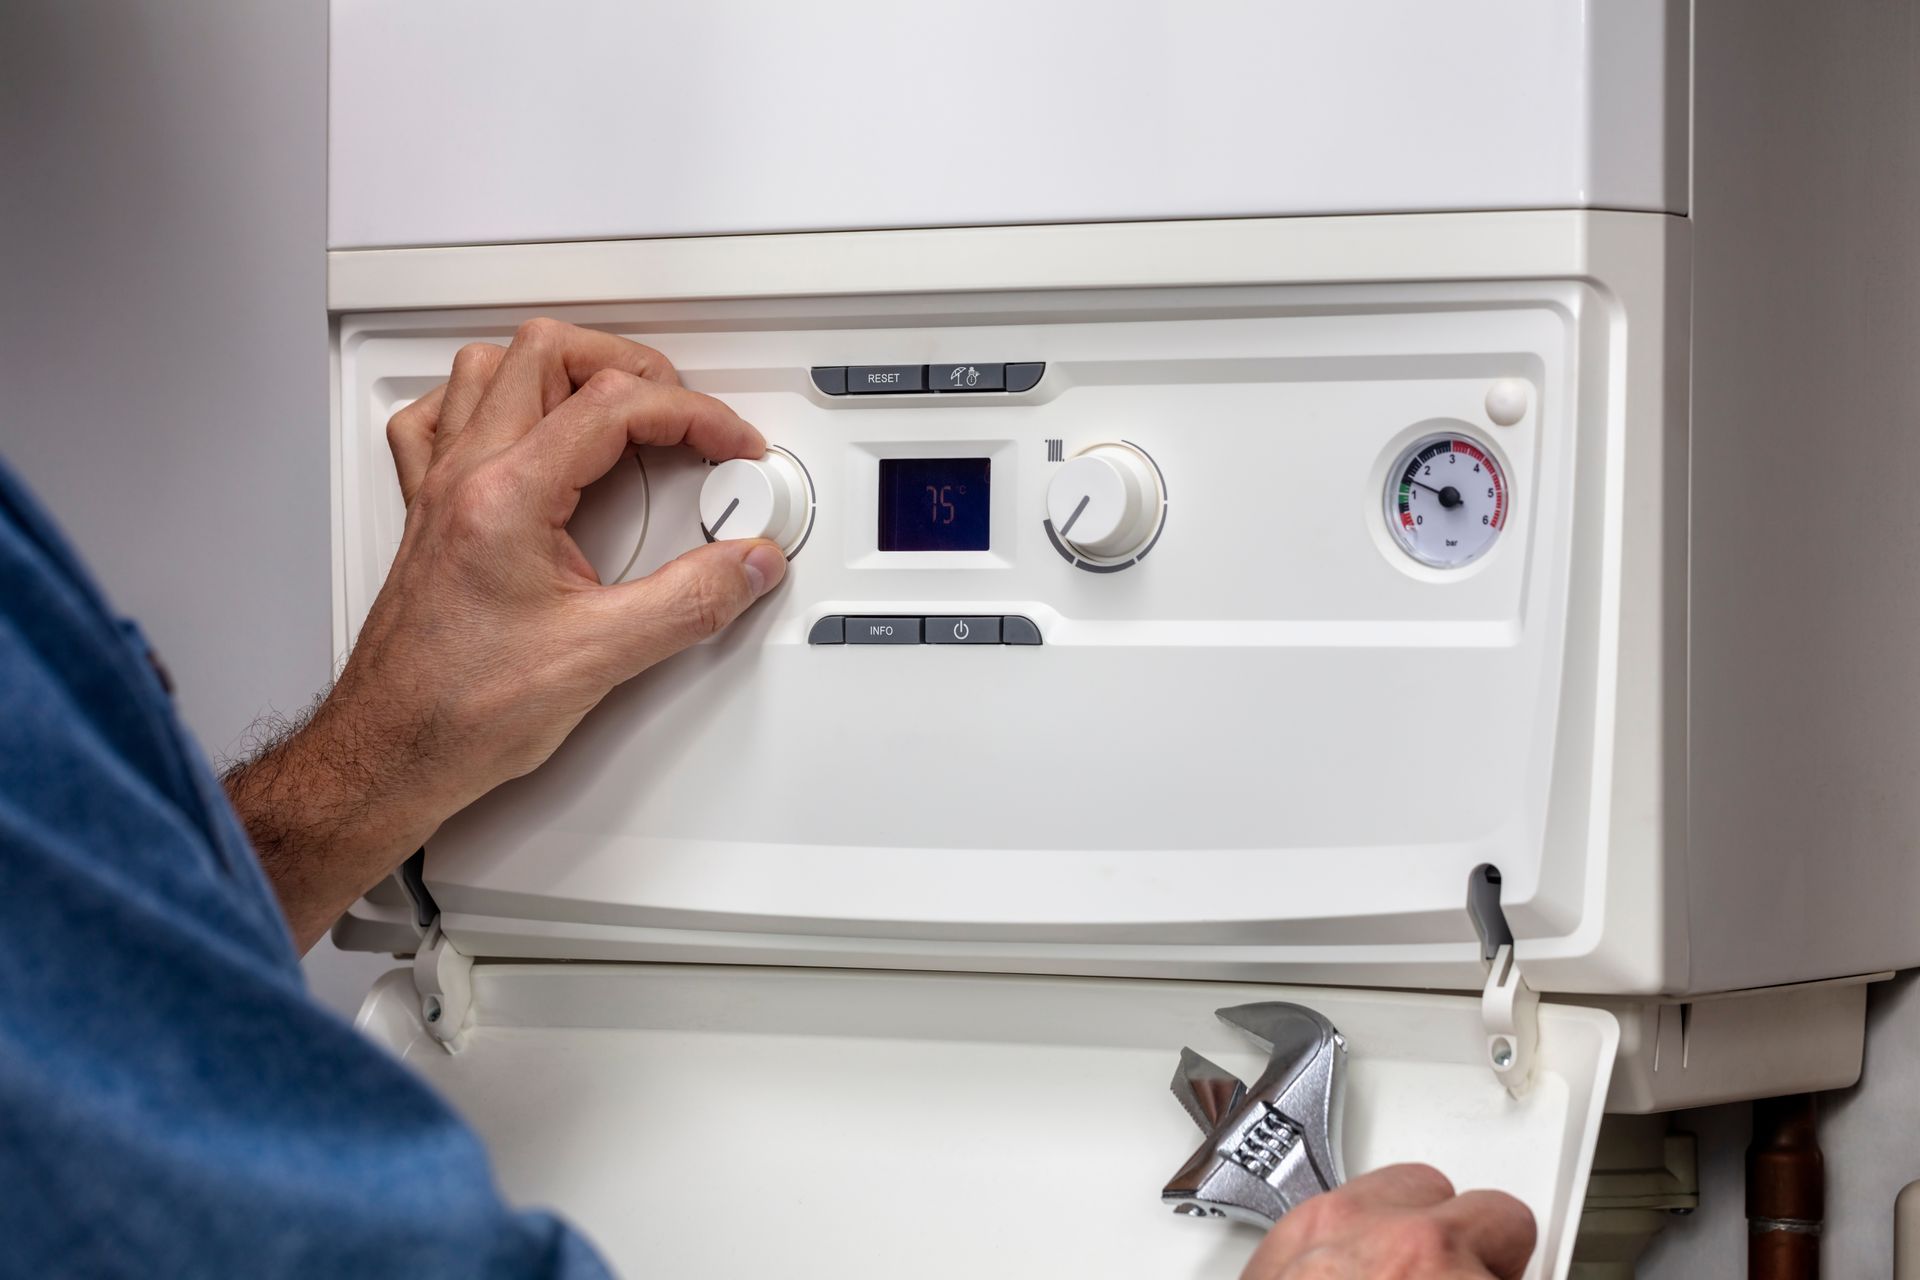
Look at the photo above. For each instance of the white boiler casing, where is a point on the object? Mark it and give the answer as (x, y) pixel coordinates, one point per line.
(452, 124)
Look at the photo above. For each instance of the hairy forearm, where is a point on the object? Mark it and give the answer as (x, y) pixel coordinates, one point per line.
(331, 811)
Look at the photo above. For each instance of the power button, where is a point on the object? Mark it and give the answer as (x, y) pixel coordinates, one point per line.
(963, 630)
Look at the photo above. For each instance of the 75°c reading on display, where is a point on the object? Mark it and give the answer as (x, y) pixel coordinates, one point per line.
(935, 504)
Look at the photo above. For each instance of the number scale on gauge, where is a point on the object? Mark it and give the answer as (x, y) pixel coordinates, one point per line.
(1446, 501)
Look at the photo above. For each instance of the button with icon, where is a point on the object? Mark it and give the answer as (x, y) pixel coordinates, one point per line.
(966, 377)
(963, 630)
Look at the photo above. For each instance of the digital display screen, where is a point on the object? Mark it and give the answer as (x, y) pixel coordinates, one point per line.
(934, 504)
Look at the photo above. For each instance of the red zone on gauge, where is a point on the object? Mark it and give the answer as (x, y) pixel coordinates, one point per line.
(1473, 451)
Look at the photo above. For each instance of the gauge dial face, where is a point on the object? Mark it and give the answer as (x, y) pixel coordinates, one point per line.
(1447, 500)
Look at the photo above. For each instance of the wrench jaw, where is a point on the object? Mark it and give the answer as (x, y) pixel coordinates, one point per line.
(1276, 1144)
(1207, 1091)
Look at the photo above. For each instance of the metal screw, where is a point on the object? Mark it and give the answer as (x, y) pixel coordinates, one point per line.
(1503, 1053)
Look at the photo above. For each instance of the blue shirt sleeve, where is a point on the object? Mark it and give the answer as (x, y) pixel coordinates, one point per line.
(172, 1102)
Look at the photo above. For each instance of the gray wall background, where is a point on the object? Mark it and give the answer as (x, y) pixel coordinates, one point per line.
(163, 336)
(163, 385)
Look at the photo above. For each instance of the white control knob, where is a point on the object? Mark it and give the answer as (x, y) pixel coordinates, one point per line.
(768, 497)
(1106, 503)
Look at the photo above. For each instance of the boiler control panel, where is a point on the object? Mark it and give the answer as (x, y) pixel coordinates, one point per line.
(1187, 615)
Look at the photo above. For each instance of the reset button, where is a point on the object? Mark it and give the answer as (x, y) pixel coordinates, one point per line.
(885, 379)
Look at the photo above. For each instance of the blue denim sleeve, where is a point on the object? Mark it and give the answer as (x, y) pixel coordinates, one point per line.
(172, 1103)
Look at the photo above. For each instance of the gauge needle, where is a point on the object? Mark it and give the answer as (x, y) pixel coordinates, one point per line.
(1449, 496)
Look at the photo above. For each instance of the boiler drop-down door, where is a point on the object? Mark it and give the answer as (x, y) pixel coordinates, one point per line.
(841, 1124)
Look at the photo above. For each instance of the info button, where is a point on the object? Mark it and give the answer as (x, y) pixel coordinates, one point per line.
(963, 630)
(883, 631)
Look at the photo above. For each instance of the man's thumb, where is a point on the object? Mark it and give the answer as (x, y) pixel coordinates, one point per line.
(690, 598)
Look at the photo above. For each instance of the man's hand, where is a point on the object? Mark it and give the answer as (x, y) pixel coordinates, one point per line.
(1399, 1223)
(491, 637)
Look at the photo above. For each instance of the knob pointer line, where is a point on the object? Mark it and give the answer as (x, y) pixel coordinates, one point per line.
(1068, 526)
(715, 531)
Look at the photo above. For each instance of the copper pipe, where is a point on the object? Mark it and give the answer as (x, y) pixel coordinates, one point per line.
(1786, 1190)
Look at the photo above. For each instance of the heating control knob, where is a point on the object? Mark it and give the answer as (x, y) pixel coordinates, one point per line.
(1106, 503)
(766, 497)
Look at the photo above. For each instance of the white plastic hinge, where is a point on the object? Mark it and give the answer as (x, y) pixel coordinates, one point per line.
(444, 979)
(1510, 1011)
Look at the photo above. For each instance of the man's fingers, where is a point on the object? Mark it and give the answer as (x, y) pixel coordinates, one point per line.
(1405, 1219)
(580, 441)
(586, 352)
(686, 600)
(473, 368)
(1494, 1228)
(410, 436)
(1358, 1207)
(1398, 1186)
(547, 360)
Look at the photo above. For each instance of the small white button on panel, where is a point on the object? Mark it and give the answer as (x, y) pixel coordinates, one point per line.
(1507, 401)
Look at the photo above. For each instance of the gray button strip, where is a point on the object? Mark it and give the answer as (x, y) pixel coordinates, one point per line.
(954, 629)
(903, 379)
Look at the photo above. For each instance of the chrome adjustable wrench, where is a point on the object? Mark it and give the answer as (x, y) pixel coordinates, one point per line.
(1272, 1146)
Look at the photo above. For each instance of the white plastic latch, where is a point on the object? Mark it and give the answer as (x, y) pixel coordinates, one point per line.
(444, 979)
(1510, 1010)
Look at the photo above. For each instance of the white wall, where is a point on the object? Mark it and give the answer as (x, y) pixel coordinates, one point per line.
(163, 359)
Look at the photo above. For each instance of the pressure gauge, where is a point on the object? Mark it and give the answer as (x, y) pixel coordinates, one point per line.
(1446, 500)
